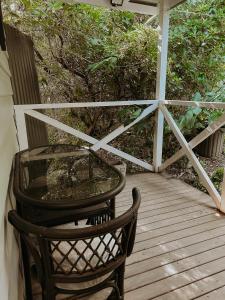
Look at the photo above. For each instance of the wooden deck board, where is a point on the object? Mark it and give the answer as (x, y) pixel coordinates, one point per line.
(179, 251)
(177, 267)
(215, 294)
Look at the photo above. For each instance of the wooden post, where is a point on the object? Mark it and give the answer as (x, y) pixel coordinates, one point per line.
(161, 81)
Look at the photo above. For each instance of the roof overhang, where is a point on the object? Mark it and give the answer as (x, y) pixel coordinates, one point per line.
(147, 7)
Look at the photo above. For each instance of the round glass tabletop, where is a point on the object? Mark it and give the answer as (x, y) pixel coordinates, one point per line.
(64, 176)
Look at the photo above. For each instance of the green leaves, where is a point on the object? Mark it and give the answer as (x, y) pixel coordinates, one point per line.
(198, 118)
(197, 97)
(189, 123)
(95, 41)
(27, 4)
(136, 114)
(107, 63)
(56, 5)
(197, 39)
(217, 178)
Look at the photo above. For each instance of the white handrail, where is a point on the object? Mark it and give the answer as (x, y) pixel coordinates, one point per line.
(85, 104)
(211, 105)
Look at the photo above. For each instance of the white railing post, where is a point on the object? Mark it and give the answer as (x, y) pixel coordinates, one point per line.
(161, 81)
(222, 204)
(21, 129)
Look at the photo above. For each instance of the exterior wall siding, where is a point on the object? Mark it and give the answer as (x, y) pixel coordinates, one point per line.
(18, 85)
(25, 81)
(8, 146)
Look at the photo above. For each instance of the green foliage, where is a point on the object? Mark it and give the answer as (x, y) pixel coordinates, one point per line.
(217, 178)
(116, 52)
(197, 118)
(196, 47)
(189, 124)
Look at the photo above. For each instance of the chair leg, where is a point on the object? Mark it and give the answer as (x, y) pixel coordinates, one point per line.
(112, 207)
(48, 295)
(26, 269)
(115, 294)
(118, 295)
(120, 280)
(48, 291)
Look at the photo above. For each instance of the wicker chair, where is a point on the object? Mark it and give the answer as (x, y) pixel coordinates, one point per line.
(81, 262)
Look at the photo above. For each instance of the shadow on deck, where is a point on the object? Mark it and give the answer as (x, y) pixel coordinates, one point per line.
(180, 244)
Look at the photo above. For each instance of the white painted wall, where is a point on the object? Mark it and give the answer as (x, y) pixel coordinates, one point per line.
(8, 147)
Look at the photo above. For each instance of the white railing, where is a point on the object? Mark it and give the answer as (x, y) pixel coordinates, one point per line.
(152, 105)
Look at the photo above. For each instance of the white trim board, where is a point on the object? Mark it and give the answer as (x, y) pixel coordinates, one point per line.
(211, 105)
(147, 7)
(85, 104)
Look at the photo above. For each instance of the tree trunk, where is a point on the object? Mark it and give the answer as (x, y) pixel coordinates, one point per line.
(212, 146)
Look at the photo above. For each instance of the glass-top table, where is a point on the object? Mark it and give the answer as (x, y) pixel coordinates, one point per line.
(57, 184)
(62, 177)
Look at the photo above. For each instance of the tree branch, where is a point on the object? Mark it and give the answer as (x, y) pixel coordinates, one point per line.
(41, 58)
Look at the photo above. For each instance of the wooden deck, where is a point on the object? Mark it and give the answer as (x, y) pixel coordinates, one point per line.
(180, 244)
(179, 252)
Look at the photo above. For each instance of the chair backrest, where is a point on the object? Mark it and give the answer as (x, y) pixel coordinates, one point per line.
(80, 254)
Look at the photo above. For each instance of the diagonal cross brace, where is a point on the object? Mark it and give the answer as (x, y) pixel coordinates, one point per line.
(115, 133)
(213, 127)
(87, 138)
(192, 157)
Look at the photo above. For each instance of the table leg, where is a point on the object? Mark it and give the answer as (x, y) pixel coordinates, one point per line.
(26, 271)
(113, 207)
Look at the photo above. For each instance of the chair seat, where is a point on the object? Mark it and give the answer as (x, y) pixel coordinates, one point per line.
(101, 295)
(98, 244)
